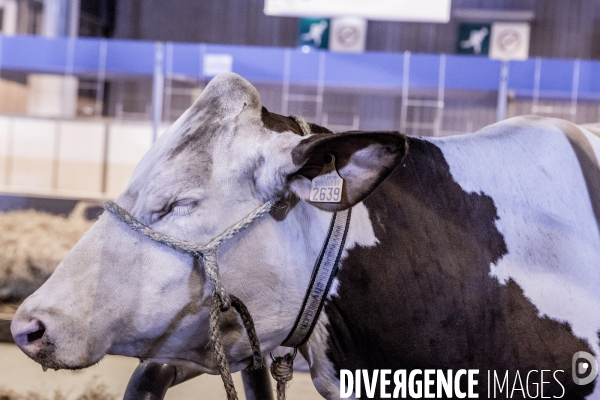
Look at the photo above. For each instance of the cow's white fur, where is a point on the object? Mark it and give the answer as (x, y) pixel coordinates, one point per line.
(548, 226)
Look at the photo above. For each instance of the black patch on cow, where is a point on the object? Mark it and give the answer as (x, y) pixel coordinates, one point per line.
(314, 128)
(280, 123)
(423, 297)
(199, 129)
(195, 138)
(283, 207)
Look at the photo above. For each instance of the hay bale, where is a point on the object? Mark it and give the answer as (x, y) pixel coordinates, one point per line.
(32, 244)
(97, 392)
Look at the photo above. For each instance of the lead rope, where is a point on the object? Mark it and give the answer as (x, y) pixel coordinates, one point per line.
(215, 338)
(282, 370)
(222, 301)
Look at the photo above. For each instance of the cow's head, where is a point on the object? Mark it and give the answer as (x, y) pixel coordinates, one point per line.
(119, 292)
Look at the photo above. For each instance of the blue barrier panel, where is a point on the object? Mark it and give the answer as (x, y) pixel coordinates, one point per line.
(589, 80)
(253, 63)
(424, 70)
(373, 70)
(86, 56)
(472, 72)
(557, 77)
(35, 54)
(304, 67)
(521, 76)
(186, 59)
(130, 57)
(82, 56)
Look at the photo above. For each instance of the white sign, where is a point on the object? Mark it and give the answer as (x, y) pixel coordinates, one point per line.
(387, 10)
(215, 64)
(348, 34)
(509, 41)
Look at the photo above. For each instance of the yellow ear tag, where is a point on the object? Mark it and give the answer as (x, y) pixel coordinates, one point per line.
(327, 186)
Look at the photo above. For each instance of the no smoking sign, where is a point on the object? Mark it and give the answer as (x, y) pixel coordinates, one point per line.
(348, 34)
(509, 41)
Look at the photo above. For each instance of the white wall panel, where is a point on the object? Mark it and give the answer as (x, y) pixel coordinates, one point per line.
(127, 144)
(33, 153)
(81, 153)
(5, 125)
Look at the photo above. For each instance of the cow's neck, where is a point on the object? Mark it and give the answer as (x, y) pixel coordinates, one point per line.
(310, 240)
(298, 236)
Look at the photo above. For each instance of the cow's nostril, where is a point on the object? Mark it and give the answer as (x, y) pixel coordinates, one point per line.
(33, 336)
(28, 333)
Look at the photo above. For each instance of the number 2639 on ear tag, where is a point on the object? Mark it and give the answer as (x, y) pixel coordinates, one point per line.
(327, 186)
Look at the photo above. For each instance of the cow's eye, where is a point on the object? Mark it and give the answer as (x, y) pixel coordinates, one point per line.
(178, 208)
(181, 209)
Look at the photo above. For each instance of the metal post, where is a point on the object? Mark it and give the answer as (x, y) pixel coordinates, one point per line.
(439, 114)
(285, 94)
(158, 88)
(70, 62)
(320, 87)
(101, 78)
(404, 106)
(10, 136)
(169, 79)
(74, 11)
(575, 87)
(56, 156)
(536, 85)
(66, 84)
(502, 91)
(10, 152)
(201, 61)
(105, 160)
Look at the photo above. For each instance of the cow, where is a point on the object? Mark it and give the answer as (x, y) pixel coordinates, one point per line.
(476, 252)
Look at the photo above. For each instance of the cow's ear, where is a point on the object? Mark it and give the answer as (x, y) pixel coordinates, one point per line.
(362, 159)
(227, 95)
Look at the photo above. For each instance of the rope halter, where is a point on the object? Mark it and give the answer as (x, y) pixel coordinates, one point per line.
(207, 253)
(222, 301)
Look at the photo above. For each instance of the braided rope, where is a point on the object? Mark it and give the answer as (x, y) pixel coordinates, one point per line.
(303, 125)
(222, 301)
(214, 323)
(282, 370)
(240, 307)
(212, 270)
(207, 253)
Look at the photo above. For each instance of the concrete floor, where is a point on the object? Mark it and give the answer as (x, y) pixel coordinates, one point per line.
(20, 374)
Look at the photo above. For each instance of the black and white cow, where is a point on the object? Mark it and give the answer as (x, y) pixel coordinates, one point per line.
(470, 252)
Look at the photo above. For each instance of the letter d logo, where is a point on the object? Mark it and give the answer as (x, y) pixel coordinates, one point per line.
(581, 367)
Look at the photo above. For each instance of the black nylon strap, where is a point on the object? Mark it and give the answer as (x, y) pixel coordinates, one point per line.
(324, 271)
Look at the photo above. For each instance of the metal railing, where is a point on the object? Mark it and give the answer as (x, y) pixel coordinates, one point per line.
(421, 94)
